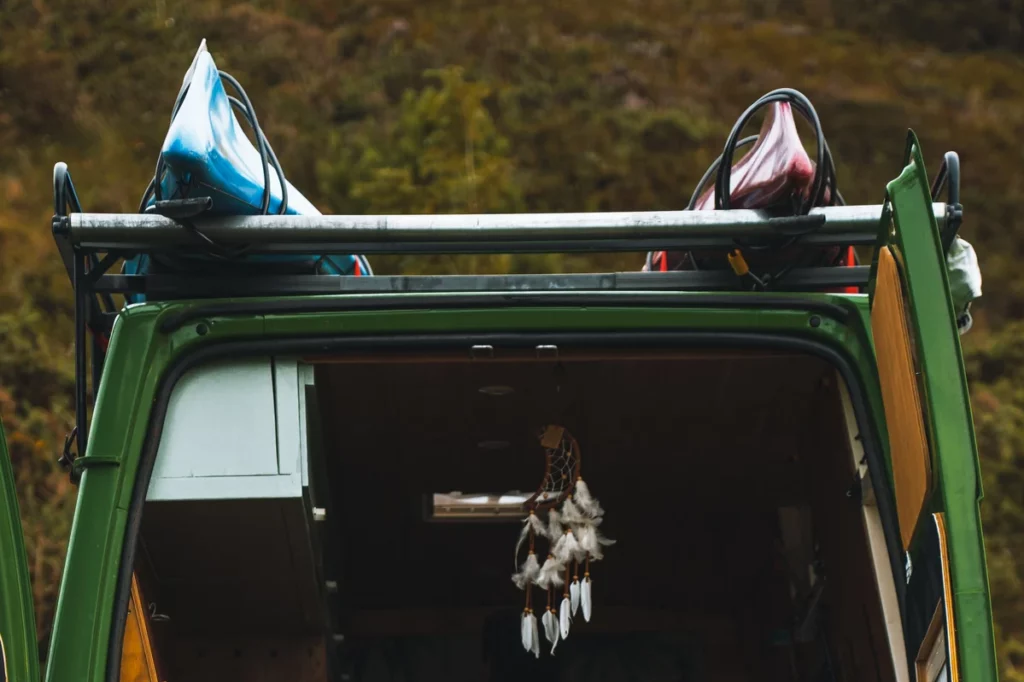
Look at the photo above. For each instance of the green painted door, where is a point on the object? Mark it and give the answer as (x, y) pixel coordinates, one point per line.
(17, 618)
(933, 455)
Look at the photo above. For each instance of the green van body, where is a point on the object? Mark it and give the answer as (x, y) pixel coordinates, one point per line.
(153, 343)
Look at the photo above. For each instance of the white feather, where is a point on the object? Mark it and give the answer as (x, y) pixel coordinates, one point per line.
(553, 633)
(586, 520)
(591, 541)
(586, 502)
(536, 523)
(574, 595)
(534, 635)
(528, 573)
(586, 543)
(568, 548)
(585, 598)
(551, 626)
(556, 550)
(532, 521)
(571, 513)
(550, 574)
(564, 617)
(554, 530)
(527, 630)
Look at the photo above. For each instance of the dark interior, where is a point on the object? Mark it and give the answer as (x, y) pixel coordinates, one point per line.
(724, 477)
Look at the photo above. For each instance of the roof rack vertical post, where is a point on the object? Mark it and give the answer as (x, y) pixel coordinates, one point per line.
(65, 202)
(63, 195)
(81, 382)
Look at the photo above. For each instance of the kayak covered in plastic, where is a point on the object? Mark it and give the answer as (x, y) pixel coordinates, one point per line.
(207, 154)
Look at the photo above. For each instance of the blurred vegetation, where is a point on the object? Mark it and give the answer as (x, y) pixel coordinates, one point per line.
(401, 106)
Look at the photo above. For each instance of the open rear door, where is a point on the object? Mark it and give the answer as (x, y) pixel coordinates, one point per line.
(18, 649)
(933, 454)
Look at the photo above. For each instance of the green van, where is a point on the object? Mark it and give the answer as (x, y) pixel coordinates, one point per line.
(288, 477)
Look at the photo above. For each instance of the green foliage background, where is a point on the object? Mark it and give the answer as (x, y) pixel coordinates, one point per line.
(505, 105)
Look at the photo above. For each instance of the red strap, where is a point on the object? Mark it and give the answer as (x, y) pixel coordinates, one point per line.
(851, 260)
(102, 340)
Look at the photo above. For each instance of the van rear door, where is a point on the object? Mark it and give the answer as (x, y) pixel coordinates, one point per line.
(932, 449)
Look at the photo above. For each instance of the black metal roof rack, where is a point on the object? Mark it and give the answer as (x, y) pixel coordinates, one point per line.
(90, 244)
(90, 235)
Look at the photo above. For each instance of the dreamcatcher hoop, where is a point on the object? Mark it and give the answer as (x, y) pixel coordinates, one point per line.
(561, 468)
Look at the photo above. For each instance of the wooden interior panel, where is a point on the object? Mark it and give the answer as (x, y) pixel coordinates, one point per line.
(947, 598)
(904, 416)
(138, 662)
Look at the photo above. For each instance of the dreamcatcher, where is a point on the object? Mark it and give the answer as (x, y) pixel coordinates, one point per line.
(572, 542)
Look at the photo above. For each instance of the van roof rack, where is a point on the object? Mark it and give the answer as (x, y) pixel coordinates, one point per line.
(91, 244)
(87, 236)
(118, 235)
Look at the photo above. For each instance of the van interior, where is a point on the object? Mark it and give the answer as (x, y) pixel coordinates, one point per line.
(727, 478)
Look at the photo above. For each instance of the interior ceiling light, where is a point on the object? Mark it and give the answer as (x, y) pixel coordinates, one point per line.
(456, 506)
(497, 390)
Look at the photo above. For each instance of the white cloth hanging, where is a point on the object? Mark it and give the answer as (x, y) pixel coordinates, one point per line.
(964, 281)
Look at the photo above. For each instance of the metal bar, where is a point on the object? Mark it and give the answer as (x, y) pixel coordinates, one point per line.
(722, 241)
(480, 233)
(82, 297)
(211, 286)
(67, 253)
(98, 356)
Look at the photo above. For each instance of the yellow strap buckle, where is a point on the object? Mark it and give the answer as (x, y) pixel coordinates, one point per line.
(738, 263)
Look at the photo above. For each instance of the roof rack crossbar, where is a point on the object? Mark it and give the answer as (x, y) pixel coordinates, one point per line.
(164, 286)
(480, 233)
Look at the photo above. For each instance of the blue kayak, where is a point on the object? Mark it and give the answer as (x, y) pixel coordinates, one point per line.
(207, 154)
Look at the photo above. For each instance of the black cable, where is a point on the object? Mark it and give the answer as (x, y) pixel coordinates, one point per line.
(950, 169)
(267, 156)
(270, 155)
(824, 170)
(723, 185)
(261, 139)
(712, 169)
(147, 195)
(825, 177)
